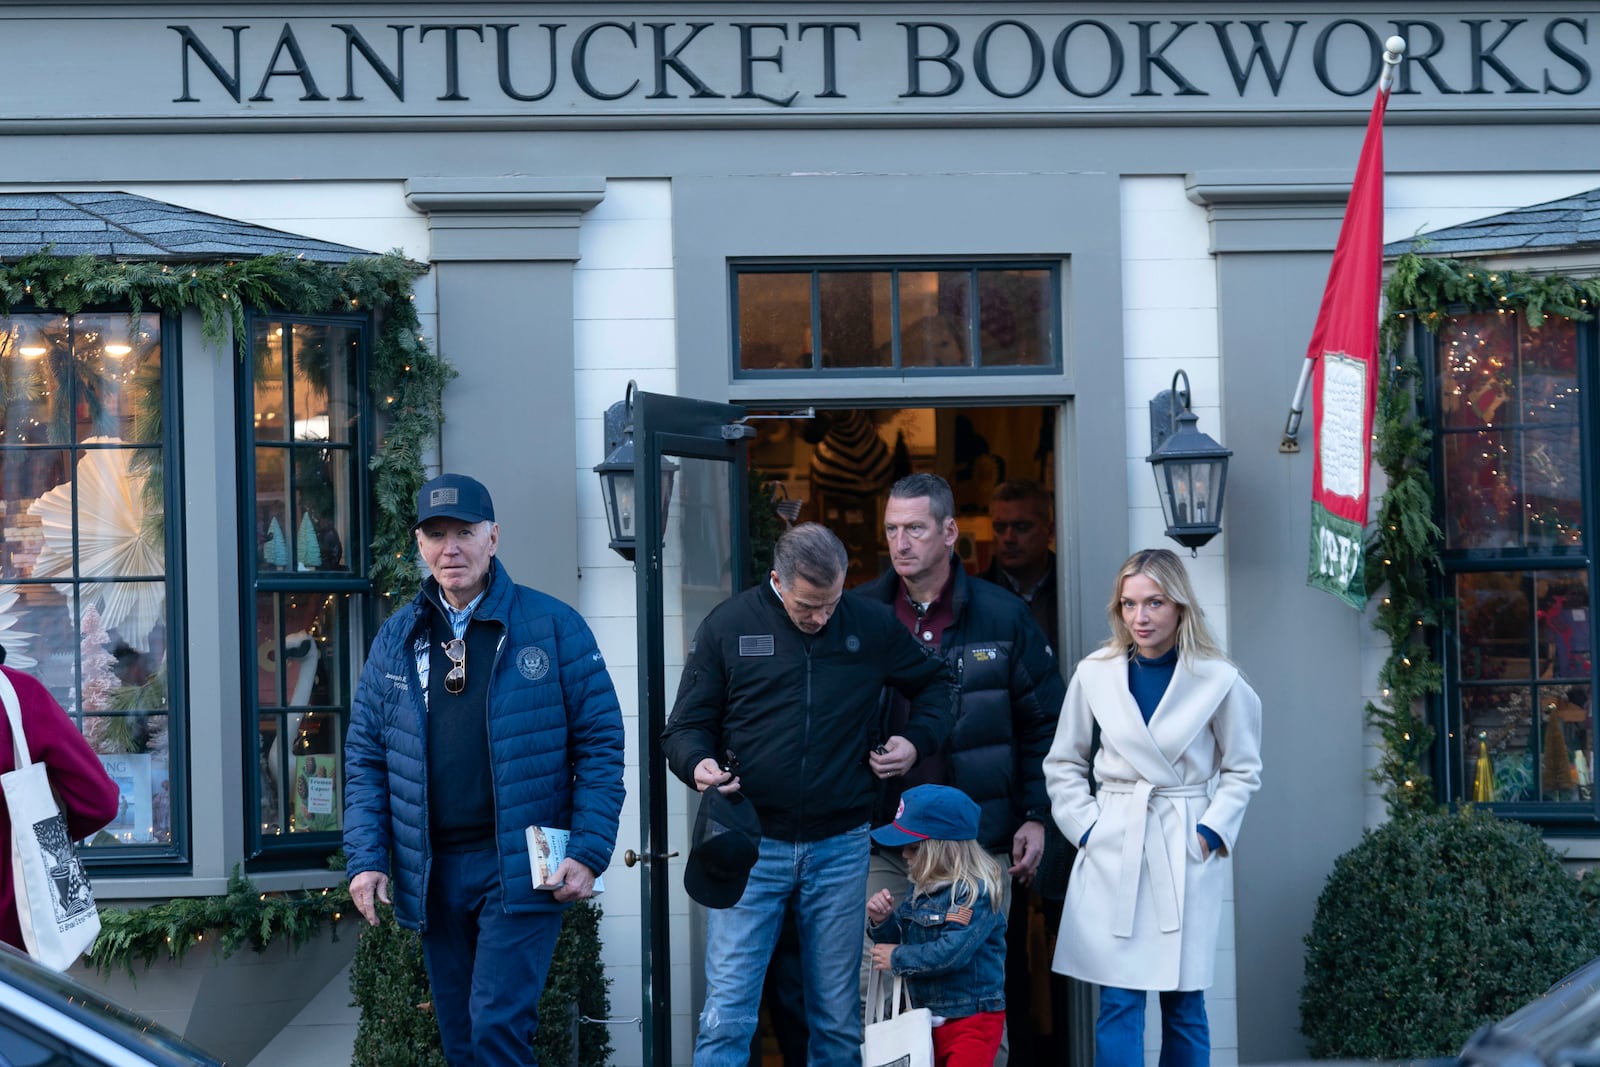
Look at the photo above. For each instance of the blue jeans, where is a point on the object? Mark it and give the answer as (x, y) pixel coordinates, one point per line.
(487, 968)
(824, 883)
(1119, 1031)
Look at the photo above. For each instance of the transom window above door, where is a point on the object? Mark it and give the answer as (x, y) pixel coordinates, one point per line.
(934, 318)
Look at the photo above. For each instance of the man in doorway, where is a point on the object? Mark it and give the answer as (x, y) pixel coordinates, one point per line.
(779, 699)
(1024, 520)
(1010, 685)
(484, 709)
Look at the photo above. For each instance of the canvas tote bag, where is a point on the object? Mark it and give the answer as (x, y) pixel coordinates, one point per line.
(54, 901)
(902, 1037)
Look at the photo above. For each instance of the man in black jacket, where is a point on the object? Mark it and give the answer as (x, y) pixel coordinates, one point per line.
(1010, 685)
(779, 701)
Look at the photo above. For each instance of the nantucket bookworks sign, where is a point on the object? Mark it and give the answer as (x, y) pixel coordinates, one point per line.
(564, 64)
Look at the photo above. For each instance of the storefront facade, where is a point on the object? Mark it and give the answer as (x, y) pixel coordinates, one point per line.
(1004, 223)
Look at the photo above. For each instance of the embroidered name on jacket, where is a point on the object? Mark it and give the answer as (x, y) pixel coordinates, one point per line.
(756, 645)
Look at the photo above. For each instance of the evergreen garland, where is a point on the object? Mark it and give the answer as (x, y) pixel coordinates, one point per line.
(1404, 544)
(406, 380)
(242, 917)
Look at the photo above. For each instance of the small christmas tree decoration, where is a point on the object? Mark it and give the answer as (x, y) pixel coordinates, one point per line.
(99, 679)
(306, 547)
(276, 550)
(1483, 781)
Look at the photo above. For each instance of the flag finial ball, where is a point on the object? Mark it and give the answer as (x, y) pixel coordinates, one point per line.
(1395, 45)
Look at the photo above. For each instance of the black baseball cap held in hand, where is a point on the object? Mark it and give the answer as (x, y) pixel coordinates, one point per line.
(454, 496)
(727, 839)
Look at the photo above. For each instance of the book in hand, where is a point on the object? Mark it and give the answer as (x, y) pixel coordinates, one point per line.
(547, 847)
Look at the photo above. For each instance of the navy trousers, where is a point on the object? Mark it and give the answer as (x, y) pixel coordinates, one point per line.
(487, 967)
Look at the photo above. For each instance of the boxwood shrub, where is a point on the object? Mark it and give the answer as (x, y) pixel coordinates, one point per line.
(1434, 925)
(390, 986)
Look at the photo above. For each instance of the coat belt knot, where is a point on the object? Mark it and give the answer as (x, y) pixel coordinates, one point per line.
(1137, 848)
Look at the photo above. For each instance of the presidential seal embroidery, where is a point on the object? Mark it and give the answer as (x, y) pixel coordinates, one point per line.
(533, 663)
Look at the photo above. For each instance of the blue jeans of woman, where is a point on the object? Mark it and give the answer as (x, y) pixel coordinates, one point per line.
(1119, 1031)
(824, 883)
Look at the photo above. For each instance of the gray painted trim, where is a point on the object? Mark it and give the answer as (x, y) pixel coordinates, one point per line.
(214, 615)
(504, 218)
(1271, 211)
(1072, 217)
(973, 119)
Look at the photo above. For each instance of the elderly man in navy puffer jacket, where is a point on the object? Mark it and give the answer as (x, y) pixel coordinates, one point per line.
(484, 709)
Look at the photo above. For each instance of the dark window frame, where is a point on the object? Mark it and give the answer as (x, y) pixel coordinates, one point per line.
(1053, 266)
(173, 857)
(1452, 783)
(265, 852)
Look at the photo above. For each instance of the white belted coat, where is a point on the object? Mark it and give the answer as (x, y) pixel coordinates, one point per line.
(1142, 908)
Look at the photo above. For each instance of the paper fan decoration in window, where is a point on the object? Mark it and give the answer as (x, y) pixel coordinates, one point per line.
(114, 541)
(13, 640)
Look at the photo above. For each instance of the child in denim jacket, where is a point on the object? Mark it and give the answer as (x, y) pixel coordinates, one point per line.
(948, 936)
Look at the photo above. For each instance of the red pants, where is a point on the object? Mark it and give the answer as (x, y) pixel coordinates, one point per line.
(970, 1042)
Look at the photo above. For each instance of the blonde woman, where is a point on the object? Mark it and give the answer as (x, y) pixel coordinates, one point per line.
(1179, 757)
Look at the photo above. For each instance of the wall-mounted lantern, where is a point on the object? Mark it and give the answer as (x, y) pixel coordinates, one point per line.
(618, 478)
(1191, 469)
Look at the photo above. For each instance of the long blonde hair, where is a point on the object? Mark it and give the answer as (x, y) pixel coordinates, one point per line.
(962, 865)
(1163, 567)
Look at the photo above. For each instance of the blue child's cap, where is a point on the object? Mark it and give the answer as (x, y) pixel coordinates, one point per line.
(931, 811)
(454, 496)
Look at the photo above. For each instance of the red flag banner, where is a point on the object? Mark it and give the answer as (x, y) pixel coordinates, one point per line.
(1344, 384)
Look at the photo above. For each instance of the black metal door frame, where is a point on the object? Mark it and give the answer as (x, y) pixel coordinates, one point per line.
(667, 426)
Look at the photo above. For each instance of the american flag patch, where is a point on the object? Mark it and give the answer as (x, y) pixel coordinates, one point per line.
(961, 915)
(757, 645)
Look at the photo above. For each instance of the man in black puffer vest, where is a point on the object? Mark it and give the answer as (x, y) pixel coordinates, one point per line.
(1010, 687)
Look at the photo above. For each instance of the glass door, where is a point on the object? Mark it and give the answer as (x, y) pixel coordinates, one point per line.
(691, 557)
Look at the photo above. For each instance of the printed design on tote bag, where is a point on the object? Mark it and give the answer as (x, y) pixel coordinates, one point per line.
(69, 884)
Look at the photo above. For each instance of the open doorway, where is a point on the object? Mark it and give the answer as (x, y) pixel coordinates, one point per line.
(836, 469)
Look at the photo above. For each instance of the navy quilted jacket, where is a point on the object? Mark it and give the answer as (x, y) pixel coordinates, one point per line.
(556, 747)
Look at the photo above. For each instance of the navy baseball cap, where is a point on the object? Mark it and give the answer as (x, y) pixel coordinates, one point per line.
(454, 496)
(726, 843)
(931, 811)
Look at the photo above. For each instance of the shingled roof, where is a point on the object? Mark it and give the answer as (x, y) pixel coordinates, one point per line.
(119, 225)
(1569, 224)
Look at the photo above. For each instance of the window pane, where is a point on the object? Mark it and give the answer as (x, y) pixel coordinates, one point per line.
(1562, 624)
(1494, 623)
(315, 806)
(857, 315)
(1482, 509)
(1014, 313)
(324, 400)
(775, 321)
(26, 475)
(1476, 362)
(1549, 364)
(1500, 757)
(35, 371)
(270, 402)
(935, 318)
(1552, 465)
(119, 378)
(274, 529)
(37, 632)
(323, 493)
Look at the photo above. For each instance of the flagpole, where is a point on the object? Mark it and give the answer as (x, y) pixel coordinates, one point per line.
(1394, 49)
